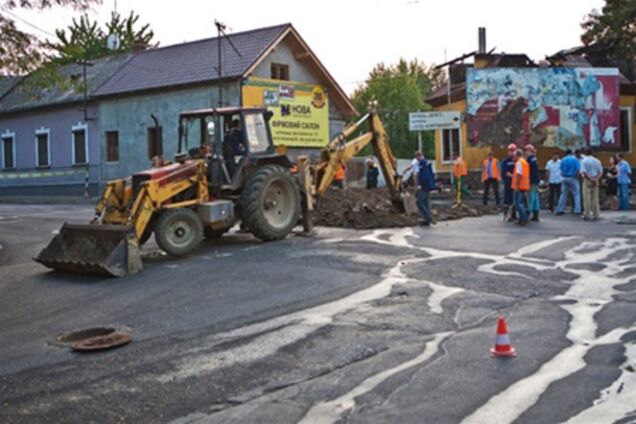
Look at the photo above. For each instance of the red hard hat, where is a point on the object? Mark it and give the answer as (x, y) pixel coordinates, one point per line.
(529, 147)
(512, 146)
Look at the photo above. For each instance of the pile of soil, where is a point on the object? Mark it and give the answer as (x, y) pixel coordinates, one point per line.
(360, 208)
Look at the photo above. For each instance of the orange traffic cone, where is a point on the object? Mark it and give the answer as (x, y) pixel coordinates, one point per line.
(502, 342)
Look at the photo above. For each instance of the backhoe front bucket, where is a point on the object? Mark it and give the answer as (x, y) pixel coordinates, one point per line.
(96, 249)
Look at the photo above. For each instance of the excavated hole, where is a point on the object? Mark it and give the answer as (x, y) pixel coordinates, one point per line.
(76, 336)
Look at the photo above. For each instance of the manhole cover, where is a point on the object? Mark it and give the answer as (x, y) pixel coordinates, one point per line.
(76, 336)
(108, 341)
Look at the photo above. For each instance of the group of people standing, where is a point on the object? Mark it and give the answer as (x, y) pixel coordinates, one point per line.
(578, 174)
(520, 176)
(581, 172)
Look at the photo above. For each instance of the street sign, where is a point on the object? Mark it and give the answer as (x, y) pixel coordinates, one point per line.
(424, 121)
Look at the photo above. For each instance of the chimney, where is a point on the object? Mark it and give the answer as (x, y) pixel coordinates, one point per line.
(482, 40)
(139, 46)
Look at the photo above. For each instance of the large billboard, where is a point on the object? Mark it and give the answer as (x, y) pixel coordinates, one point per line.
(551, 107)
(301, 111)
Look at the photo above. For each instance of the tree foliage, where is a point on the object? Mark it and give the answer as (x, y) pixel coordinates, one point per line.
(399, 90)
(21, 52)
(614, 28)
(84, 39)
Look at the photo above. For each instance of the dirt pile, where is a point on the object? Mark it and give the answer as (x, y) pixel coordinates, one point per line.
(360, 208)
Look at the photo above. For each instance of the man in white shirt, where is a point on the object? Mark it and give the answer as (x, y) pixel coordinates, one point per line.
(591, 172)
(553, 167)
(414, 167)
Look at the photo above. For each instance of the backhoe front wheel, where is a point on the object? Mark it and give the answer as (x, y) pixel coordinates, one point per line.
(270, 203)
(178, 231)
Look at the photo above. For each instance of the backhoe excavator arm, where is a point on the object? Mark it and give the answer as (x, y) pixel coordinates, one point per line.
(340, 151)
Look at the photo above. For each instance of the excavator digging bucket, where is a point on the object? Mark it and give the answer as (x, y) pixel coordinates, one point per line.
(95, 249)
(408, 203)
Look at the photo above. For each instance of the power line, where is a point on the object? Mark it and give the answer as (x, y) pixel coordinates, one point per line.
(24, 21)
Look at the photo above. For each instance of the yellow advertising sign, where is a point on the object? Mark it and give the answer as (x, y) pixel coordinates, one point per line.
(301, 111)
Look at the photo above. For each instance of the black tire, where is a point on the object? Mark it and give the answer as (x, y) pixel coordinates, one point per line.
(270, 203)
(210, 233)
(178, 231)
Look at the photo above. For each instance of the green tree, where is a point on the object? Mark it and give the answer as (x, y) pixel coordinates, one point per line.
(613, 28)
(399, 90)
(86, 40)
(21, 52)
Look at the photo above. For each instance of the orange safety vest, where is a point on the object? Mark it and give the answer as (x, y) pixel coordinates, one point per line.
(459, 168)
(521, 182)
(495, 169)
(340, 173)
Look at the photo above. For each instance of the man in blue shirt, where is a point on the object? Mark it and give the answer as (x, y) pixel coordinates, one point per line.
(624, 181)
(425, 183)
(570, 168)
(534, 205)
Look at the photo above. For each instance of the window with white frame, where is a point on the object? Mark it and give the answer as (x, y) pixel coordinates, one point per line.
(80, 144)
(627, 125)
(451, 145)
(42, 148)
(8, 150)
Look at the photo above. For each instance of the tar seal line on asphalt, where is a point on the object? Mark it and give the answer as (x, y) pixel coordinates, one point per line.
(276, 333)
(590, 286)
(590, 292)
(618, 400)
(279, 332)
(331, 411)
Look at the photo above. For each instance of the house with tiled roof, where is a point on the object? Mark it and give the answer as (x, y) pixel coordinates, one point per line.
(49, 130)
(132, 113)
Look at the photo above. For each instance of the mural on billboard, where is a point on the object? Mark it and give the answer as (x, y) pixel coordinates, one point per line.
(551, 107)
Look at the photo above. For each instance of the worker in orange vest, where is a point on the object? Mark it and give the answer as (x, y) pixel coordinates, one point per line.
(339, 177)
(521, 185)
(460, 171)
(490, 177)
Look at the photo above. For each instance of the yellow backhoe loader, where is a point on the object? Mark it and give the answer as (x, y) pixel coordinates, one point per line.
(226, 169)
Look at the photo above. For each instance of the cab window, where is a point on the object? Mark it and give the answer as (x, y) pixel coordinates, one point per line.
(256, 132)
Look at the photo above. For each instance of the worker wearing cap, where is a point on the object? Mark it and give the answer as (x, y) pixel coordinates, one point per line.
(507, 168)
(490, 177)
(534, 205)
(460, 171)
(521, 185)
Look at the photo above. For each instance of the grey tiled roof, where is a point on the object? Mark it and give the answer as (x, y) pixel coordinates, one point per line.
(32, 93)
(7, 83)
(191, 63)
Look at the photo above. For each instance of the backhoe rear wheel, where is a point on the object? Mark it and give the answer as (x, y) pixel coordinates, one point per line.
(178, 231)
(270, 203)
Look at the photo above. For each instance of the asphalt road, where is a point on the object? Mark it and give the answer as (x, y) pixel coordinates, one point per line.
(346, 326)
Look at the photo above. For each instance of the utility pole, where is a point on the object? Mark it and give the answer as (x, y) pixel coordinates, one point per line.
(84, 63)
(220, 30)
(448, 98)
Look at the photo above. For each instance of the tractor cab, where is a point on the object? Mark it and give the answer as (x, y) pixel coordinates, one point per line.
(233, 140)
(227, 132)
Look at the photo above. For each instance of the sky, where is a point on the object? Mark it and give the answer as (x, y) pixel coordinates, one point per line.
(351, 36)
